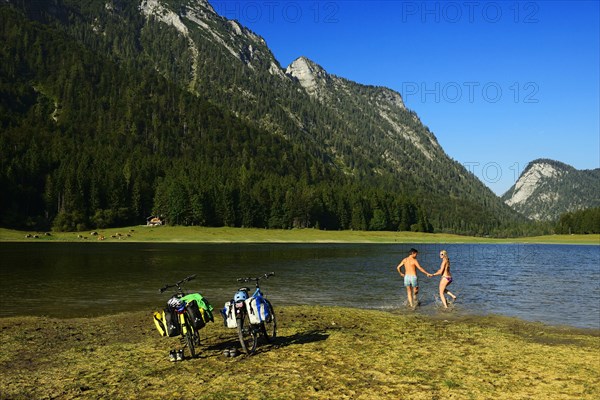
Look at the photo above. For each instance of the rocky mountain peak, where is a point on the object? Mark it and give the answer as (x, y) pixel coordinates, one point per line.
(390, 97)
(310, 75)
(198, 16)
(548, 188)
(530, 179)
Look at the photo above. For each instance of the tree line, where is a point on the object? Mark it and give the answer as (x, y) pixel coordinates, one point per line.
(579, 222)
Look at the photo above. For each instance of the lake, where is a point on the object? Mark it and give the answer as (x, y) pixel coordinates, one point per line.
(554, 284)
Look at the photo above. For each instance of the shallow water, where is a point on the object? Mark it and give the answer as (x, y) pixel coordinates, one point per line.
(554, 284)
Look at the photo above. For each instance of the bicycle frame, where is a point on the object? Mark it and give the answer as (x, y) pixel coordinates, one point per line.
(258, 293)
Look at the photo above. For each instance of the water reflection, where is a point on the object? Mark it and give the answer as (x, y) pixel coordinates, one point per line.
(550, 283)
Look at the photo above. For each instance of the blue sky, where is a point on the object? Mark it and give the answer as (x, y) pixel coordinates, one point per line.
(499, 83)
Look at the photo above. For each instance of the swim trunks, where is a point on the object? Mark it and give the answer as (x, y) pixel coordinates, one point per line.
(410, 280)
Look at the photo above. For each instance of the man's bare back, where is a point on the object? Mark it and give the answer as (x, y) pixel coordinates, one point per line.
(411, 264)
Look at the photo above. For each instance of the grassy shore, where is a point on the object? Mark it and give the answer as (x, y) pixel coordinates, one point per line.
(320, 353)
(251, 235)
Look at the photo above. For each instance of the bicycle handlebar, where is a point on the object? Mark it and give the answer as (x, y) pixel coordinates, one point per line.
(265, 276)
(177, 285)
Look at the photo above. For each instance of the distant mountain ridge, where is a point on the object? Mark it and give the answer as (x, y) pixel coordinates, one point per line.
(547, 189)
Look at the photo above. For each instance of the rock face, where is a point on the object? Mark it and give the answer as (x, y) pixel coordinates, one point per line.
(311, 76)
(385, 106)
(324, 86)
(547, 188)
(531, 179)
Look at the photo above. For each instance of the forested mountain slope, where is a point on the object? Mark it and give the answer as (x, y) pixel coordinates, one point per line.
(112, 110)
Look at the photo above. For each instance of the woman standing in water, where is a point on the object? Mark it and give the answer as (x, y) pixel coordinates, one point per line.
(446, 279)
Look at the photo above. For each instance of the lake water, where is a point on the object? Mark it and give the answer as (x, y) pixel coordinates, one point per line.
(554, 284)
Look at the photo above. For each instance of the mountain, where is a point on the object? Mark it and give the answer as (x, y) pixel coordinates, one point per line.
(111, 110)
(547, 189)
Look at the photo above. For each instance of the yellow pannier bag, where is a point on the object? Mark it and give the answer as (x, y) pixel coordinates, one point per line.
(158, 321)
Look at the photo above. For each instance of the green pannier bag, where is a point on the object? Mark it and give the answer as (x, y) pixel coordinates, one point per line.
(199, 309)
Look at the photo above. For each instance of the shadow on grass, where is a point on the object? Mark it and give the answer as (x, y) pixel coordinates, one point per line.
(296, 339)
(300, 338)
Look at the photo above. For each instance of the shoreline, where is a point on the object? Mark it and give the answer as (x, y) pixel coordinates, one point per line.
(439, 315)
(179, 234)
(500, 319)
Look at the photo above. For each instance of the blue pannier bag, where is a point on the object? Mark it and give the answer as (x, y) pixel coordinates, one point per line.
(258, 309)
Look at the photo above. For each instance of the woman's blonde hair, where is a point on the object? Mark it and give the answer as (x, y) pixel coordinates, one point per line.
(444, 253)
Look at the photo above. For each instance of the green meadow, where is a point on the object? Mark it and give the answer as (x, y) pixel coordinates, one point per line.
(253, 235)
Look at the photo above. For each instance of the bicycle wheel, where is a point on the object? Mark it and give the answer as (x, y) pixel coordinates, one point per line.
(246, 333)
(190, 336)
(269, 326)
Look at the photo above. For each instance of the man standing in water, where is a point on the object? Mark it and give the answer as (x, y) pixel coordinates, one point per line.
(410, 265)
